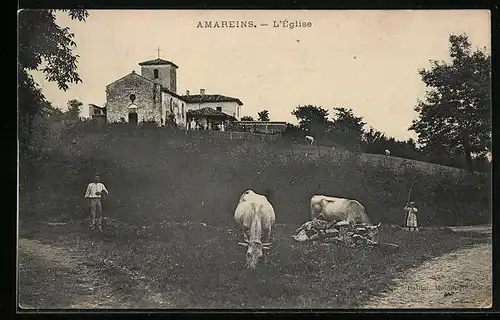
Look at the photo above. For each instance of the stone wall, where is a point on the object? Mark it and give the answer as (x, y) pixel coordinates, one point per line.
(147, 98)
(166, 75)
(175, 106)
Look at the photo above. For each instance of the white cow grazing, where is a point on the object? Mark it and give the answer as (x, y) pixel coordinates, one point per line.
(310, 140)
(338, 209)
(387, 152)
(255, 216)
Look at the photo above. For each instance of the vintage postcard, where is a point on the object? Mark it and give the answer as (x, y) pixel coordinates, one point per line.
(253, 159)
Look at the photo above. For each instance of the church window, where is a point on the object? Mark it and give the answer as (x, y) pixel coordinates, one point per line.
(155, 72)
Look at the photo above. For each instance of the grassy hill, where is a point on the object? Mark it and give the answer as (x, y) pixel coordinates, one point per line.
(390, 162)
(163, 184)
(164, 175)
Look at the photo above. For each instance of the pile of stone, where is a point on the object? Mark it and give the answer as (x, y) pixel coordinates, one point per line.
(336, 232)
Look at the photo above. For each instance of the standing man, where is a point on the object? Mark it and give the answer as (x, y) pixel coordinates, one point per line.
(411, 216)
(94, 192)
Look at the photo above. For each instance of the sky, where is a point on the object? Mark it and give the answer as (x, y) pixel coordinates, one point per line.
(364, 60)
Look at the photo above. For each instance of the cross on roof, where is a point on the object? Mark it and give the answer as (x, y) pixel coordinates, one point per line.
(158, 52)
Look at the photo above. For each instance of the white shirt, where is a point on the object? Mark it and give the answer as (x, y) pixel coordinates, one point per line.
(92, 188)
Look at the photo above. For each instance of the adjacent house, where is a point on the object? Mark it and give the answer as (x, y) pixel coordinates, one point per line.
(97, 113)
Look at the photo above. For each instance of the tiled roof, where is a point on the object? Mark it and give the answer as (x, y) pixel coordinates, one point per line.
(263, 123)
(130, 74)
(172, 94)
(96, 106)
(209, 112)
(157, 62)
(203, 98)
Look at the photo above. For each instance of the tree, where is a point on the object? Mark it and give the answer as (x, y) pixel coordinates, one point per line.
(374, 141)
(293, 132)
(411, 143)
(454, 117)
(246, 118)
(312, 119)
(346, 128)
(46, 47)
(48, 110)
(74, 107)
(377, 142)
(263, 115)
(373, 136)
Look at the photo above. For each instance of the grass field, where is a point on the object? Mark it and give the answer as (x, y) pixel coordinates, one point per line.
(189, 265)
(163, 185)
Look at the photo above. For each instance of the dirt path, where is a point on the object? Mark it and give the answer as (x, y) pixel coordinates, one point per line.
(480, 229)
(460, 279)
(53, 277)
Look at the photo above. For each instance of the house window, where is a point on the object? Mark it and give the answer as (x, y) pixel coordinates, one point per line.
(155, 72)
(219, 108)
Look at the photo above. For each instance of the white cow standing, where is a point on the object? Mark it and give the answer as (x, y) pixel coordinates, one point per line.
(387, 152)
(338, 209)
(255, 216)
(310, 140)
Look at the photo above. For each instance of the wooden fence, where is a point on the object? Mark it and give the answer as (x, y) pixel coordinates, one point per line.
(235, 135)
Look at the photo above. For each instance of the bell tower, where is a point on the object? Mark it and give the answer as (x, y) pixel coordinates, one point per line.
(161, 71)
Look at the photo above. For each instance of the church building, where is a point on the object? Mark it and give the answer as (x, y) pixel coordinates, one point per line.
(152, 97)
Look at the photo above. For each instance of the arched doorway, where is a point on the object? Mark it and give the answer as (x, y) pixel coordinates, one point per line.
(132, 118)
(132, 111)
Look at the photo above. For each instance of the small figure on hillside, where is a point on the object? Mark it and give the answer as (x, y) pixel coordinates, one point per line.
(94, 192)
(192, 124)
(411, 216)
(309, 140)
